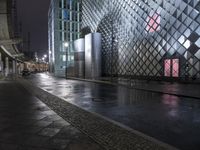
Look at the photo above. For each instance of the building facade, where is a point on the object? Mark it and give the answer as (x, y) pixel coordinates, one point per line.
(147, 38)
(64, 27)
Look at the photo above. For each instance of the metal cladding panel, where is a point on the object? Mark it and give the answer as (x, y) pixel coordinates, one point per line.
(96, 55)
(79, 57)
(93, 55)
(138, 36)
(88, 56)
(79, 69)
(79, 45)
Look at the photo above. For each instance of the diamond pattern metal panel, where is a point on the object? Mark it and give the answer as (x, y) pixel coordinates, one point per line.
(138, 36)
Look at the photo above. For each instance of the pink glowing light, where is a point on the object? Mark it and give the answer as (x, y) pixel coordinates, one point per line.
(175, 66)
(171, 68)
(153, 23)
(167, 65)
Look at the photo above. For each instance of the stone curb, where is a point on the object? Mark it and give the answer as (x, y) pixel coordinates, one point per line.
(136, 88)
(109, 134)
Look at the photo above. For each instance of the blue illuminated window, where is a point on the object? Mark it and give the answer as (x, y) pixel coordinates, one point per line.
(65, 14)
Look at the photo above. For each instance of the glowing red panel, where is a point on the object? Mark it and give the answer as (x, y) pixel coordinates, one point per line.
(167, 65)
(175, 67)
(153, 23)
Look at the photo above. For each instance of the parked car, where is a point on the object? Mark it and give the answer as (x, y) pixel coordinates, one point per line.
(26, 72)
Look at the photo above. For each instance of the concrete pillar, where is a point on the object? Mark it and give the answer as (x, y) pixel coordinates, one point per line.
(6, 66)
(14, 67)
(1, 65)
(20, 67)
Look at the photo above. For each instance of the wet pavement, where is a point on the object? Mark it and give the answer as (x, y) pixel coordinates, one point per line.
(172, 88)
(185, 89)
(168, 118)
(26, 123)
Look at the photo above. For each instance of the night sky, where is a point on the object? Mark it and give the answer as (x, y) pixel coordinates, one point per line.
(33, 15)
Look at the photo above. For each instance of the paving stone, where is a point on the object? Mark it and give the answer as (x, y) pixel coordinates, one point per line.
(37, 116)
(35, 140)
(31, 148)
(5, 146)
(32, 129)
(59, 124)
(69, 132)
(49, 132)
(42, 123)
(7, 137)
(56, 143)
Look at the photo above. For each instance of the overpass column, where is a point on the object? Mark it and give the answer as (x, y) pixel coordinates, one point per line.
(7, 66)
(1, 64)
(14, 67)
(19, 68)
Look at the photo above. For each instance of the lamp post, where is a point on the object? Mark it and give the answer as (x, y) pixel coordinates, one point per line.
(44, 62)
(66, 45)
(50, 62)
(44, 58)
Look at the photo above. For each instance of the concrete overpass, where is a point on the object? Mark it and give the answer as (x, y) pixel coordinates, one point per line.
(9, 54)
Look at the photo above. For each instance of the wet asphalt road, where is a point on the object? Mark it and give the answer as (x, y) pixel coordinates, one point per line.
(171, 119)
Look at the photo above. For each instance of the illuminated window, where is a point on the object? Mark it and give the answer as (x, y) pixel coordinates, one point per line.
(171, 68)
(64, 58)
(65, 14)
(175, 67)
(153, 22)
(167, 65)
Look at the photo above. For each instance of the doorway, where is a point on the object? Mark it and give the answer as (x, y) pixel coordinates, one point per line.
(171, 67)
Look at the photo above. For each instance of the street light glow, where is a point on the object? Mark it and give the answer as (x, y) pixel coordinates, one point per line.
(66, 44)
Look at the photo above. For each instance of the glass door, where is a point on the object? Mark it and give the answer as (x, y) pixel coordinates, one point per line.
(175, 67)
(171, 68)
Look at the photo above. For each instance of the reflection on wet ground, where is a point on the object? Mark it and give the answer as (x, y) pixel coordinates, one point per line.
(171, 119)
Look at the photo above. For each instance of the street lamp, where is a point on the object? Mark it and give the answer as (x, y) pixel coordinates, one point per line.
(44, 58)
(66, 45)
(44, 62)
